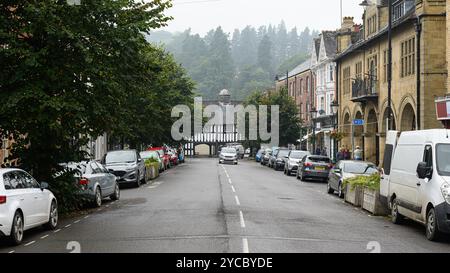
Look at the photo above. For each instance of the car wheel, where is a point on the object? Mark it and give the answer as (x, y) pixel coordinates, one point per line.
(116, 195)
(17, 229)
(329, 188)
(340, 191)
(98, 198)
(53, 216)
(396, 217)
(432, 229)
(138, 180)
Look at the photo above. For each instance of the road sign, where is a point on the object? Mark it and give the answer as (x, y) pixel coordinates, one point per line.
(358, 122)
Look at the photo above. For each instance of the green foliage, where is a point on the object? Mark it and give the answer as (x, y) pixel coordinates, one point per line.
(65, 187)
(245, 62)
(70, 72)
(289, 121)
(370, 182)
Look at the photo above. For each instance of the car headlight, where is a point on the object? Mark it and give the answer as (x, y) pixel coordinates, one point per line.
(445, 189)
(130, 169)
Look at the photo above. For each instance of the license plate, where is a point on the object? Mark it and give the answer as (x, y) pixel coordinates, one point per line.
(320, 168)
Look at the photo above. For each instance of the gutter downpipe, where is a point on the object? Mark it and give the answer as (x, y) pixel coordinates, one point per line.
(418, 72)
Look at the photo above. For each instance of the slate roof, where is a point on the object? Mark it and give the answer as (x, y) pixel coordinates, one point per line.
(330, 41)
(305, 66)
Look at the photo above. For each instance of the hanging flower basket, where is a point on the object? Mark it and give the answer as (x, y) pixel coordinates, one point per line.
(337, 135)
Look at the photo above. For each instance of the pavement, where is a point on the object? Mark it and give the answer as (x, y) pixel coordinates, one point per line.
(205, 207)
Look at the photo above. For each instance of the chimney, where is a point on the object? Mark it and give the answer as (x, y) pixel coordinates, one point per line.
(347, 23)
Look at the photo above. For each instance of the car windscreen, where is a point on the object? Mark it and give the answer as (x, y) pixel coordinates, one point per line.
(443, 159)
(360, 168)
(229, 150)
(316, 159)
(121, 157)
(148, 155)
(298, 154)
(283, 153)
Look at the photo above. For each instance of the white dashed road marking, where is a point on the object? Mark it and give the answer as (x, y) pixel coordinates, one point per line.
(77, 221)
(56, 231)
(233, 189)
(245, 246)
(241, 218)
(45, 236)
(68, 226)
(12, 251)
(30, 243)
(237, 201)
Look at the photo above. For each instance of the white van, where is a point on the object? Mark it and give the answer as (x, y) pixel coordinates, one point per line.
(416, 179)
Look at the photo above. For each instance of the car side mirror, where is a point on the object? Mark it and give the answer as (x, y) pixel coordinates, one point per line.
(423, 171)
(44, 186)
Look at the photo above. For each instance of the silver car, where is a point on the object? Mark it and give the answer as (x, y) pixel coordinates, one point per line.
(228, 155)
(293, 161)
(95, 181)
(127, 166)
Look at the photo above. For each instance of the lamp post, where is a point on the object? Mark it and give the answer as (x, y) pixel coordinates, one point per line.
(334, 108)
(313, 114)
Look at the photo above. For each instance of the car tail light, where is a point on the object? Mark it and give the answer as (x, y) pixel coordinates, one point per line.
(308, 164)
(84, 181)
(2, 199)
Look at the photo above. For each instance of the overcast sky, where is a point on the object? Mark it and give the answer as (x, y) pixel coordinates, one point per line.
(203, 15)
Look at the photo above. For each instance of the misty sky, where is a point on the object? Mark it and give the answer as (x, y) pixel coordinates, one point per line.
(203, 15)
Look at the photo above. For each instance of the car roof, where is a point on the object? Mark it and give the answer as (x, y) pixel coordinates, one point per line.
(6, 170)
(357, 161)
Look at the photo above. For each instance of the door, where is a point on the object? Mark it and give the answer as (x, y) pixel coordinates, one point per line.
(424, 184)
(99, 177)
(141, 165)
(110, 180)
(336, 177)
(40, 199)
(391, 144)
(19, 191)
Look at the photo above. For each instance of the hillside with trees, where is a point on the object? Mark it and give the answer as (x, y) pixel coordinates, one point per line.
(244, 61)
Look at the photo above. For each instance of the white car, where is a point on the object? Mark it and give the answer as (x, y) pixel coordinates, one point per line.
(24, 204)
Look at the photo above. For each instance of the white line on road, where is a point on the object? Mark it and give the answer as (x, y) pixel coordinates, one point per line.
(77, 221)
(68, 226)
(245, 245)
(152, 187)
(237, 200)
(233, 189)
(241, 218)
(87, 216)
(56, 231)
(12, 251)
(43, 237)
(30, 243)
(229, 181)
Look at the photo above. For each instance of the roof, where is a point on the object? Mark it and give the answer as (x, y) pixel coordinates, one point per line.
(317, 46)
(360, 43)
(305, 66)
(330, 42)
(224, 92)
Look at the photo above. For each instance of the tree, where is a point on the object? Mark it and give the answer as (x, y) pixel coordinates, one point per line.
(289, 121)
(265, 55)
(71, 79)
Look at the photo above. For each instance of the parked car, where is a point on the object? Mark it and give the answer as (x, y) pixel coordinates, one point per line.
(293, 161)
(314, 167)
(239, 148)
(416, 179)
(95, 181)
(273, 157)
(248, 151)
(164, 156)
(259, 155)
(153, 155)
(173, 157)
(347, 169)
(126, 165)
(228, 155)
(266, 157)
(281, 158)
(24, 204)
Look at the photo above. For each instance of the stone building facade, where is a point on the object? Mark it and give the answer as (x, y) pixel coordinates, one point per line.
(419, 72)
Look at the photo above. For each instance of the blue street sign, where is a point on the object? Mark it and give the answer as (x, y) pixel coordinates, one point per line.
(358, 122)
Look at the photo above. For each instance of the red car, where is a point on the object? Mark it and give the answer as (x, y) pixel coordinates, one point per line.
(173, 157)
(165, 157)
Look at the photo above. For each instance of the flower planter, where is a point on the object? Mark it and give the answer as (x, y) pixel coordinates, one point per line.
(354, 196)
(152, 171)
(372, 203)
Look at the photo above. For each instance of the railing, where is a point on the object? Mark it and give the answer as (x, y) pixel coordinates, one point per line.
(362, 88)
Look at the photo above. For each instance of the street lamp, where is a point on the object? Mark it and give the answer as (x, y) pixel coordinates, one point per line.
(313, 114)
(335, 109)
